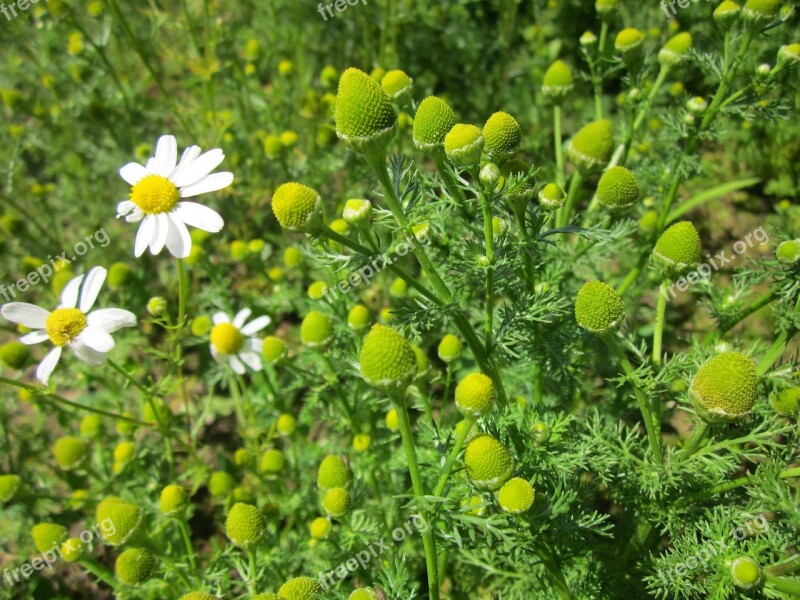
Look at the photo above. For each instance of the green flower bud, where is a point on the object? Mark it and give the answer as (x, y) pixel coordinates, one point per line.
(15, 355)
(70, 452)
(365, 119)
(785, 402)
(392, 420)
(357, 211)
(289, 139)
(789, 55)
(363, 594)
(9, 484)
(220, 484)
(488, 463)
(552, 197)
(516, 496)
(592, 146)
(725, 387)
(292, 257)
(328, 76)
(475, 395)
(72, 549)
(605, 7)
(489, 175)
(449, 348)
(463, 145)
(272, 462)
(156, 306)
(316, 330)
(598, 308)
(320, 528)
(433, 120)
(516, 193)
(300, 588)
(502, 134)
(119, 275)
(245, 525)
(358, 317)
(745, 572)
(725, 14)
(558, 81)
(273, 349)
(757, 13)
(628, 40)
(541, 432)
(297, 207)
(617, 188)
(678, 250)
(697, 105)
(198, 596)
(588, 39)
(423, 364)
(333, 472)
(398, 288)
(286, 424)
(125, 516)
(788, 252)
(47, 536)
(201, 325)
(124, 451)
(336, 501)
(135, 566)
(397, 85)
(174, 500)
(317, 290)
(675, 49)
(386, 359)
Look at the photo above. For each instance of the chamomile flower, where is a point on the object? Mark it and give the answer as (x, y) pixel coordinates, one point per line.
(231, 341)
(157, 193)
(87, 334)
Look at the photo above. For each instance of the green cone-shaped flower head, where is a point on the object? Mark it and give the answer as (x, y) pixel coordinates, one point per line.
(758, 13)
(558, 81)
(488, 463)
(272, 462)
(598, 308)
(70, 452)
(789, 55)
(220, 483)
(605, 7)
(617, 188)
(358, 317)
(726, 13)
(674, 51)
(516, 496)
(333, 472)
(785, 402)
(245, 525)
(14, 355)
(365, 119)
(336, 501)
(296, 207)
(475, 395)
(433, 120)
(123, 519)
(552, 197)
(386, 358)
(316, 329)
(273, 349)
(628, 40)
(502, 134)
(357, 211)
(72, 549)
(135, 566)
(678, 250)
(463, 145)
(450, 348)
(9, 484)
(725, 387)
(174, 500)
(592, 146)
(47, 536)
(300, 588)
(320, 528)
(397, 85)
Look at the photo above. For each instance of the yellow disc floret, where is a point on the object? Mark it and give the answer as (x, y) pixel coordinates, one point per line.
(591, 147)
(316, 329)
(516, 495)
(64, 325)
(678, 249)
(135, 566)
(336, 501)
(333, 472)
(598, 308)
(365, 119)
(434, 118)
(475, 395)
(300, 588)
(617, 188)
(488, 463)
(155, 194)
(387, 359)
(463, 145)
(245, 525)
(226, 338)
(296, 206)
(502, 134)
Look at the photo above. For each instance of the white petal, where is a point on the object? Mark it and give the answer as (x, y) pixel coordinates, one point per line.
(241, 317)
(160, 234)
(145, 234)
(256, 325)
(210, 183)
(220, 317)
(198, 168)
(153, 166)
(135, 216)
(252, 360)
(96, 339)
(49, 363)
(29, 315)
(237, 365)
(132, 173)
(69, 295)
(166, 154)
(197, 215)
(124, 207)
(189, 155)
(111, 319)
(91, 287)
(86, 354)
(36, 337)
(179, 243)
(254, 344)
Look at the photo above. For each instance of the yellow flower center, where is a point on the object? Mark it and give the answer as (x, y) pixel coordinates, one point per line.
(155, 194)
(226, 339)
(65, 324)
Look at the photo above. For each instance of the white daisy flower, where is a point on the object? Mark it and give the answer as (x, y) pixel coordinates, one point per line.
(231, 341)
(71, 324)
(156, 193)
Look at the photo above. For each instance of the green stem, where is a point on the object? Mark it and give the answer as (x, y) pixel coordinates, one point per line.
(488, 236)
(754, 307)
(727, 486)
(781, 584)
(252, 572)
(557, 140)
(453, 456)
(428, 540)
(698, 435)
(565, 213)
(597, 79)
(450, 184)
(661, 309)
(187, 541)
(128, 377)
(101, 573)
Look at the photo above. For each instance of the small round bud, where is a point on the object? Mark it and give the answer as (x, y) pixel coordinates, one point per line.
(488, 463)
(296, 207)
(516, 496)
(541, 432)
(678, 250)
(697, 105)
(361, 442)
(397, 85)
(489, 175)
(47, 536)
(745, 572)
(449, 348)
(725, 387)
(220, 484)
(242, 457)
(674, 51)
(365, 119)
(328, 76)
(286, 424)
(398, 288)
(386, 359)
(558, 81)
(320, 528)
(245, 525)
(788, 252)
(124, 452)
(789, 55)
(70, 452)
(125, 516)
(757, 13)
(119, 275)
(364, 594)
(617, 188)
(317, 290)
(725, 14)
(588, 39)
(9, 484)
(273, 147)
(592, 146)
(392, 422)
(333, 472)
(174, 500)
(15, 355)
(358, 317)
(357, 211)
(292, 258)
(475, 395)
(598, 308)
(156, 306)
(135, 566)
(628, 40)
(605, 8)
(552, 197)
(72, 549)
(785, 402)
(272, 462)
(502, 134)
(300, 588)
(336, 502)
(463, 145)
(285, 67)
(289, 139)
(473, 506)
(433, 120)
(316, 330)
(273, 349)
(201, 326)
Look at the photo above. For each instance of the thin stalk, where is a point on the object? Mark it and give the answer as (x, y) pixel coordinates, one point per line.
(557, 140)
(128, 377)
(453, 456)
(727, 486)
(661, 309)
(233, 387)
(488, 237)
(101, 573)
(597, 79)
(450, 184)
(252, 572)
(187, 541)
(778, 346)
(754, 307)
(781, 584)
(565, 212)
(698, 435)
